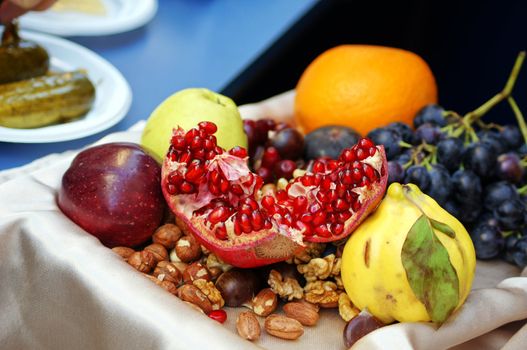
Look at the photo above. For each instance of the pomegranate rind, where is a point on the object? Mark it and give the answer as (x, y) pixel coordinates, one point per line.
(370, 197)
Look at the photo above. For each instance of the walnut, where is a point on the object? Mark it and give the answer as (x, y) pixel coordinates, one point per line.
(212, 293)
(346, 309)
(312, 250)
(287, 288)
(320, 268)
(214, 262)
(339, 283)
(322, 293)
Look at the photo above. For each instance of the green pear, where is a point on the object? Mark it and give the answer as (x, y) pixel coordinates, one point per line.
(188, 107)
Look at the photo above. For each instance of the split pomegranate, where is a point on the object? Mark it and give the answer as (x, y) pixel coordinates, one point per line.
(217, 196)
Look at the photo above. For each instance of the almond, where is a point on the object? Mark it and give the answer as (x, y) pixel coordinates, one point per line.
(265, 302)
(283, 327)
(248, 326)
(301, 312)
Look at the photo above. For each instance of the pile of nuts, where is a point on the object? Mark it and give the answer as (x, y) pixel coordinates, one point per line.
(177, 262)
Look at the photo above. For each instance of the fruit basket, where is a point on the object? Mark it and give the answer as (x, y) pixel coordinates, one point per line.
(66, 290)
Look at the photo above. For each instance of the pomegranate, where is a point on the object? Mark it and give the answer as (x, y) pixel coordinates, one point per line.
(216, 195)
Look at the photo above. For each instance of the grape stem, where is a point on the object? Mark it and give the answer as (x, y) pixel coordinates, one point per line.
(500, 96)
(519, 117)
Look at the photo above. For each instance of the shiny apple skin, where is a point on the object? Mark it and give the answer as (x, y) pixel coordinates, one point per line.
(113, 192)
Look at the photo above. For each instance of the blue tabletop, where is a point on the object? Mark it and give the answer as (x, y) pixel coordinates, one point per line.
(189, 43)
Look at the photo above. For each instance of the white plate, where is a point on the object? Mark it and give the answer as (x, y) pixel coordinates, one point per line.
(113, 95)
(121, 16)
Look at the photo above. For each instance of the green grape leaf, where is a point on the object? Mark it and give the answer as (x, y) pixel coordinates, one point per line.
(430, 273)
(441, 227)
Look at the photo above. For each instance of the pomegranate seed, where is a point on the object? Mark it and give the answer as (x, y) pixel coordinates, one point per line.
(215, 177)
(364, 182)
(210, 155)
(356, 206)
(341, 190)
(270, 157)
(214, 189)
(268, 202)
(208, 145)
(237, 227)
(347, 178)
(174, 178)
(171, 189)
(332, 165)
(185, 157)
(340, 205)
(306, 218)
(343, 216)
(319, 167)
(209, 127)
(322, 197)
(186, 187)
(322, 231)
(238, 151)
(195, 171)
(362, 154)
(281, 195)
(251, 202)
(199, 154)
(372, 151)
(172, 155)
(319, 218)
(224, 185)
(245, 209)
(257, 220)
(196, 143)
(357, 174)
(218, 315)
(219, 214)
(189, 136)
(245, 223)
(356, 165)
(300, 204)
(366, 143)
(369, 172)
(332, 195)
(337, 228)
(347, 156)
(237, 190)
(325, 184)
(221, 231)
(178, 143)
(307, 180)
(218, 150)
(267, 224)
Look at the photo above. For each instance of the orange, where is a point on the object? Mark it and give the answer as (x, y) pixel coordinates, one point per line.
(363, 87)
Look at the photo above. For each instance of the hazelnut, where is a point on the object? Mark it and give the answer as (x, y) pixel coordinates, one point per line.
(195, 271)
(166, 271)
(159, 251)
(192, 294)
(123, 252)
(142, 261)
(169, 287)
(188, 249)
(167, 235)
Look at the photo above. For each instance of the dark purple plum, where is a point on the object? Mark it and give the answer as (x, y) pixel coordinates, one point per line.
(329, 141)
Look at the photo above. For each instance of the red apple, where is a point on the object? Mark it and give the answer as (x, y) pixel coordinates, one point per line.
(113, 191)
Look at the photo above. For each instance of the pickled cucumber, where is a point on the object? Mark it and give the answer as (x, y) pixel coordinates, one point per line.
(20, 59)
(49, 99)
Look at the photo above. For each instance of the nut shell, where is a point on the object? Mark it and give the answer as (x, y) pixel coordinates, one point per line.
(283, 327)
(248, 326)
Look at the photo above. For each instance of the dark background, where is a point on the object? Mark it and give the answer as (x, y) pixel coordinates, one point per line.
(470, 45)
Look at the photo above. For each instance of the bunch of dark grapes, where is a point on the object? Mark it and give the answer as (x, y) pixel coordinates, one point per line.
(476, 171)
